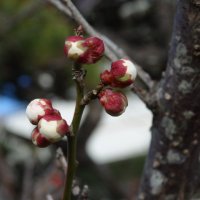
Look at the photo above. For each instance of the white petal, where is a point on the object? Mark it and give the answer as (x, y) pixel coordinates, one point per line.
(48, 129)
(33, 110)
(75, 48)
(131, 68)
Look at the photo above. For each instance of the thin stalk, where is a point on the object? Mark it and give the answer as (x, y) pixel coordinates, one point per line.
(72, 139)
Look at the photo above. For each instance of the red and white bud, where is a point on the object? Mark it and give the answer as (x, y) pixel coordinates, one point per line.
(124, 73)
(53, 127)
(73, 47)
(94, 50)
(38, 108)
(38, 139)
(114, 102)
(106, 77)
(85, 51)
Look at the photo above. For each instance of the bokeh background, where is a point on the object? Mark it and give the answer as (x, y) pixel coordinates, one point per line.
(111, 151)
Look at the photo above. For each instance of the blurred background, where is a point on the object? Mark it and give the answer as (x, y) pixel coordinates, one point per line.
(111, 151)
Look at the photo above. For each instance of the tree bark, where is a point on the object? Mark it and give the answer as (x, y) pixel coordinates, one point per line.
(172, 169)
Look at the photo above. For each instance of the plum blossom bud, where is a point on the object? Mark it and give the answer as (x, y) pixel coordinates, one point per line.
(95, 50)
(38, 108)
(106, 77)
(85, 51)
(73, 47)
(53, 127)
(124, 73)
(38, 139)
(114, 102)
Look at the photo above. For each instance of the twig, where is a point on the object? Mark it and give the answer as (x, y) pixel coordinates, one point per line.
(72, 139)
(140, 92)
(112, 51)
(61, 7)
(92, 94)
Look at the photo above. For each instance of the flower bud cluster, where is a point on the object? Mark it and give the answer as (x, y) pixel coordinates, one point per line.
(84, 50)
(50, 126)
(122, 74)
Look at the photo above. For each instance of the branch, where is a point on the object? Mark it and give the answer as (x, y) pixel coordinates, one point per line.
(78, 77)
(112, 51)
(61, 7)
(92, 94)
(172, 165)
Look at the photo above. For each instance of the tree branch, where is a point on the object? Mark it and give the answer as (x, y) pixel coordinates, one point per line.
(172, 166)
(78, 77)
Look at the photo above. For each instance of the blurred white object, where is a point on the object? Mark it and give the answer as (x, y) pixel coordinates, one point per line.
(122, 137)
(45, 80)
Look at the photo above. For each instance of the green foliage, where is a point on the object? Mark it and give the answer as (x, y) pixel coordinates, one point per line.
(43, 36)
(33, 42)
(9, 7)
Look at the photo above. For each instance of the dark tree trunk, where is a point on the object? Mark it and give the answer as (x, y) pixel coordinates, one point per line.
(172, 169)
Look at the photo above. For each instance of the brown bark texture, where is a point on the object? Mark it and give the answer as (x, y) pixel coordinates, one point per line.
(172, 169)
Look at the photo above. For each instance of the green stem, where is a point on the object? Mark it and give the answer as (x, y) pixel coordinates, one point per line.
(72, 139)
